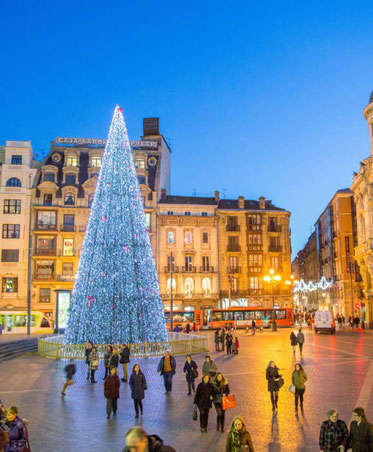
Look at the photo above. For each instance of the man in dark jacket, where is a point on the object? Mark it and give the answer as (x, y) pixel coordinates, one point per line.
(361, 432)
(124, 360)
(137, 440)
(111, 392)
(166, 367)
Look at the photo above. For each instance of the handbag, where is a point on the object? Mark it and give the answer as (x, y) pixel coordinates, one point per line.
(195, 373)
(292, 389)
(94, 363)
(228, 401)
(280, 383)
(195, 413)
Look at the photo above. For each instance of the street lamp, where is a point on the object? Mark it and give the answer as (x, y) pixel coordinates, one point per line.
(272, 278)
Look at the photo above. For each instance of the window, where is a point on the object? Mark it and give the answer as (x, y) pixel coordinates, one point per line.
(147, 221)
(69, 199)
(68, 222)
(67, 268)
(90, 199)
(10, 231)
(170, 213)
(188, 263)
(171, 237)
(45, 244)
(188, 286)
(45, 295)
(205, 263)
(274, 262)
(273, 242)
(72, 160)
(10, 285)
(253, 222)
(16, 159)
(48, 198)
(254, 239)
(44, 269)
(206, 286)
(233, 262)
(46, 219)
(44, 323)
(205, 237)
(9, 255)
(141, 180)
(255, 260)
(169, 285)
(187, 214)
(13, 182)
(48, 177)
(139, 163)
(68, 247)
(216, 316)
(255, 283)
(204, 214)
(96, 161)
(12, 206)
(70, 178)
(188, 237)
(234, 284)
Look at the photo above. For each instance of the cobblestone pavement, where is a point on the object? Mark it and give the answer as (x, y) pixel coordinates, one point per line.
(339, 370)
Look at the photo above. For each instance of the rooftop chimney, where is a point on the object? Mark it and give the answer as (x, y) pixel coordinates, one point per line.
(241, 202)
(217, 195)
(163, 193)
(262, 203)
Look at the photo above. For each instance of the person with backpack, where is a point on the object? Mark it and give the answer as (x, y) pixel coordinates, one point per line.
(190, 369)
(111, 392)
(70, 370)
(124, 360)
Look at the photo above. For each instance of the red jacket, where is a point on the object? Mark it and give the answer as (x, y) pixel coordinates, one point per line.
(237, 344)
(111, 388)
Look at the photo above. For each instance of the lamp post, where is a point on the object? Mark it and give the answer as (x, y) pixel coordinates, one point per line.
(272, 278)
(171, 294)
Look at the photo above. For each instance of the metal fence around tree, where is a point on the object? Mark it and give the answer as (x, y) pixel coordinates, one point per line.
(178, 344)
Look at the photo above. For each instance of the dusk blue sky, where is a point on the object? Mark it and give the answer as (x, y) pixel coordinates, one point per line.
(258, 98)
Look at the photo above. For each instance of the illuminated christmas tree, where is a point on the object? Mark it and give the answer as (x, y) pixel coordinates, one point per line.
(116, 293)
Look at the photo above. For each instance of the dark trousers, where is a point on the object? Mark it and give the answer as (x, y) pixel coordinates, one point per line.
(107, 371)
(229, 349)
(203, 417)
(138, 404)
(253, 329)
(300, 346)
(274, 398)
(222, 346)
(93, 375)
(111, 405)
(167, 377)
(217, 347)
(220, 420)
(191, 386)
(299, 396)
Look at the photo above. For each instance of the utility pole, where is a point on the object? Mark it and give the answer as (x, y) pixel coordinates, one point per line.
(171, 294)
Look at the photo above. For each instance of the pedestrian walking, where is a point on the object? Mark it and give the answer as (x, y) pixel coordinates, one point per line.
(107, 355)
(233, 348)
(228, 342)
(138, 387)
(222, 339)
(16, 430)
(299, 378)
(70, 370)
(253, 326)
(309, 323)
(273, 377)
(361, 432)
(356, 322)
(236, 345)
(114, 359)
(93, 363)
(191, 373)
(111, 392)
(217, 341)
(167, 367)
(333, 433)
(124, 360)
(194, 328)
(87, 351)
(300, 340)
(238, 438)
(293, 342)
(209, 367)
(221, 388)
(203, 399)
(187, 328)
(137, 440)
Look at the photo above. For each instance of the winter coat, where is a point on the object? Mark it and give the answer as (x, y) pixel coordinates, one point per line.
(271, 374)
(172, 362)
(237, 440)
(87, 352)
(114, 360)
(220, 390)
(188, 368)
(17, 435)
(138, 385)
(209, 368)
(70, 370)
(300, 337)
(93, 356)
(237, 344)
(111, 387)
(107, 357)
(125, 355)
(222, 337)
(228, 339)
(361, 437)
(298, 378)
(216, 337)
(155, 444)
(293, 339)
(203, 395)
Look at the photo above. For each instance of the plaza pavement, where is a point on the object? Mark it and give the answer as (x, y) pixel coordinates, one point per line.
(340, 375)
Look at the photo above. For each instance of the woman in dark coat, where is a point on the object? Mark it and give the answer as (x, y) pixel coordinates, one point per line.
(190, 370)
(16, 431)
(114, 359)
(203, 399)
(87, 351)
(111, 392)
(361, 432)
(238, 437)
(221, 388)
(138, 388)
(273, 376)
(107, 356)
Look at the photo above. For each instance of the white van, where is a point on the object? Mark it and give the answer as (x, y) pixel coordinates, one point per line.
(324, 321)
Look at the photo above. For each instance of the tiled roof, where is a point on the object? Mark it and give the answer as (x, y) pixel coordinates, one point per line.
(196, 200)
(232, 204)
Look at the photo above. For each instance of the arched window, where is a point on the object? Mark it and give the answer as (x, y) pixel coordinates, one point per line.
(90, 199)
(206, 286)
(188, 286)
(169, 285)
(13, 182)
(69, 199)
